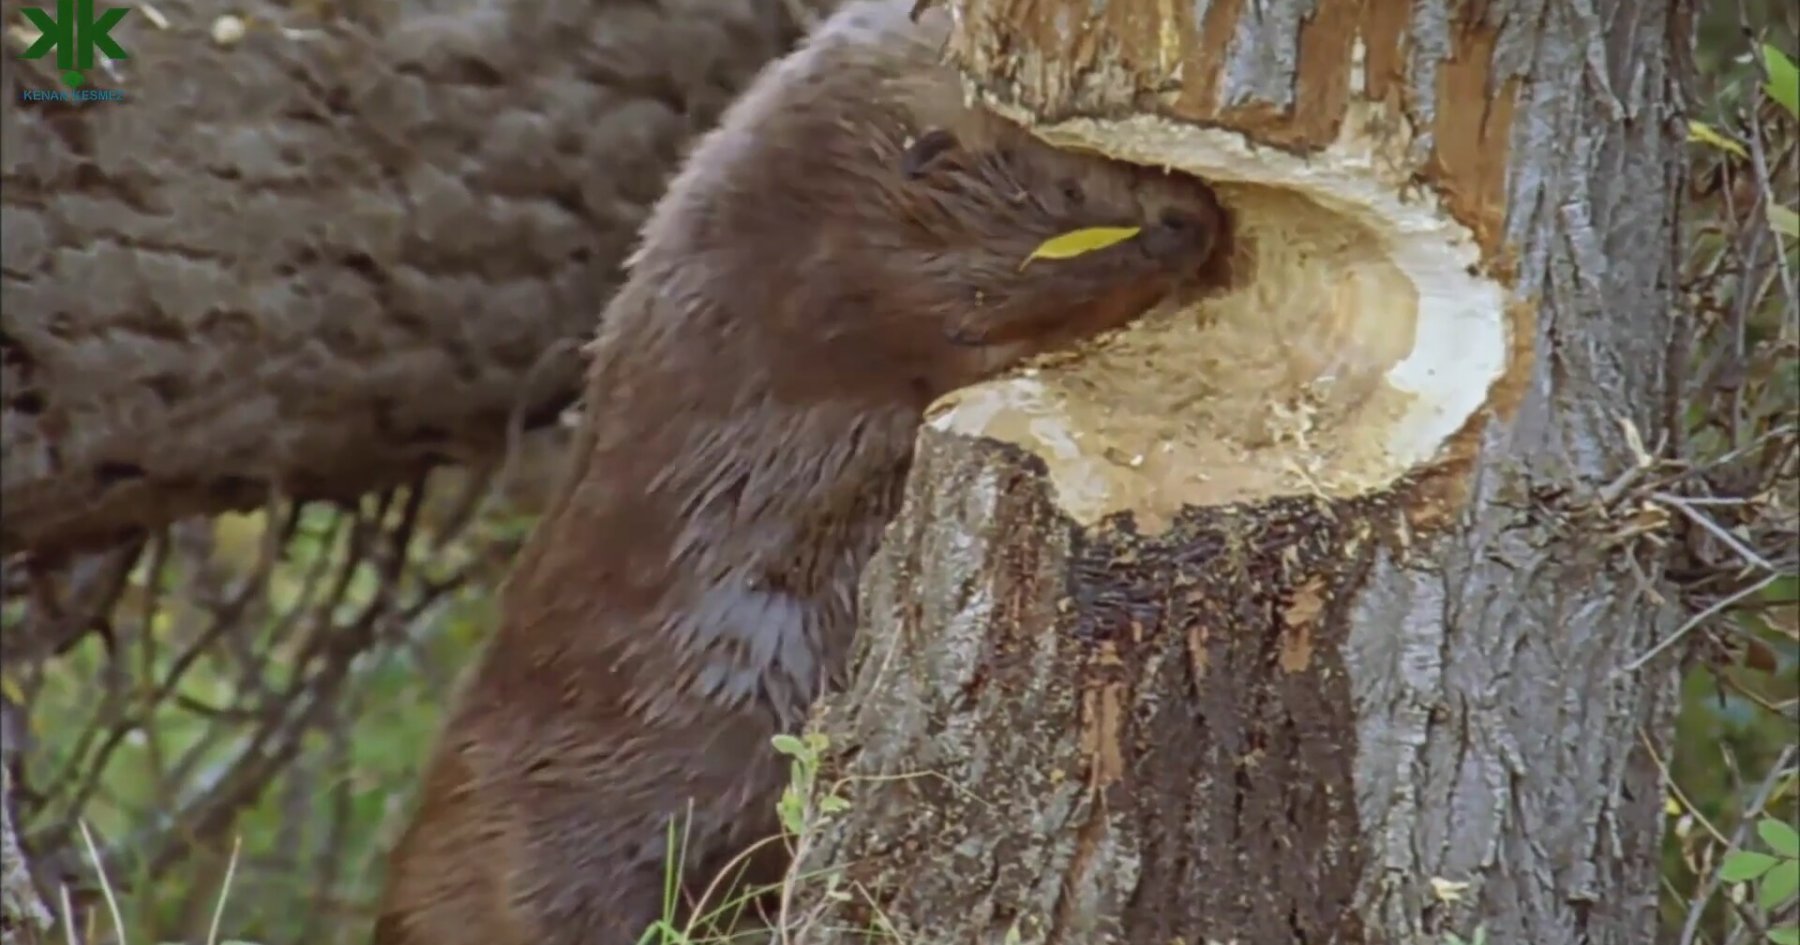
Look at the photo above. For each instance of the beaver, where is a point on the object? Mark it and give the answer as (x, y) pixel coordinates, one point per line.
(847, 245)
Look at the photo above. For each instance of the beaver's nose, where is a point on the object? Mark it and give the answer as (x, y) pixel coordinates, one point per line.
(1176, 233)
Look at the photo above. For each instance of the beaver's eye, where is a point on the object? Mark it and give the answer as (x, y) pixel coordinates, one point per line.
(1071, 191)
(924, 150)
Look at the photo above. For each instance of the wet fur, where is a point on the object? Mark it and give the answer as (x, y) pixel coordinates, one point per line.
(842, 250)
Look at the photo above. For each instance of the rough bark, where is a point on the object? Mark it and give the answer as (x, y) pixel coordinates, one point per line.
(24, 919)
(1304, 719)
(356, 242)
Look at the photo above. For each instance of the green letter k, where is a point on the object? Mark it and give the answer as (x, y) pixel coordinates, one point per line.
(75, 47)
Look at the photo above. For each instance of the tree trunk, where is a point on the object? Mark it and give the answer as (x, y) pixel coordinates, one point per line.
(350, 244)
(24, 919)
(1307, 614)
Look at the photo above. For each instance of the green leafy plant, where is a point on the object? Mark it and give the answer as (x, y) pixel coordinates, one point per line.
(799, 807)
(803, 805)
(1734, 770)
(1775, 875)
(1783, 88)
(1783, 85)
(1780, 87)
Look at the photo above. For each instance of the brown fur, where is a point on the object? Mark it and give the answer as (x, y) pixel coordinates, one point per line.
(843, 249)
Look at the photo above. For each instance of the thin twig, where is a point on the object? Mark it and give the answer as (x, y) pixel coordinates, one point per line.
(1693, 515)
(1718, 606)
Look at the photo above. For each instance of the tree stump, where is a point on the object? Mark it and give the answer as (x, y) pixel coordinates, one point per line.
(1306, 613)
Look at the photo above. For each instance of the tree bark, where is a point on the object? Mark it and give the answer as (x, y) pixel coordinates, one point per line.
(1377, 712)
(356, 242)
(24, 919)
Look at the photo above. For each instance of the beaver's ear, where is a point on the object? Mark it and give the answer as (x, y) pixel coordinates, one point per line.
(925, 149)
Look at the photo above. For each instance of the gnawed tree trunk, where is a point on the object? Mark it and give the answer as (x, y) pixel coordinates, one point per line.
(1307, 615)
(352, 244)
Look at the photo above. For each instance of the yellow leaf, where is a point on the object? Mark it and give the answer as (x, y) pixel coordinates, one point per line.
(1080, 242)
(1703, 133)
(1784, 221)
(10, 688)
(238, 537)
(1446, 890)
